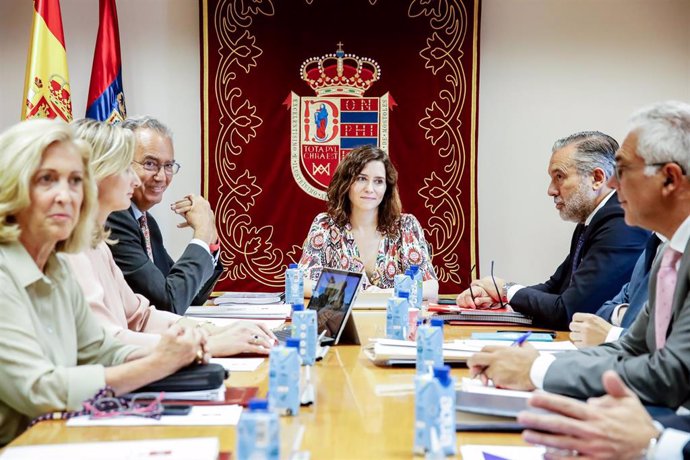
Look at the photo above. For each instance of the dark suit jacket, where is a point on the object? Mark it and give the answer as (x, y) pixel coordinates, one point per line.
(658, 377)
(606, 262)
(636, 292)
(169, 285)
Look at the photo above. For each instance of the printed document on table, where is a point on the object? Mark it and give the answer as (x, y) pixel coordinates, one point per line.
(170, 449)
(542, 347)
(222, 322)
(199, 416)
(239, 364)
(279, 311)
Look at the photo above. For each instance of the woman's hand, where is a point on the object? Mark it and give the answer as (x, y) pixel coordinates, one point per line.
(179, 346)
(242, 337)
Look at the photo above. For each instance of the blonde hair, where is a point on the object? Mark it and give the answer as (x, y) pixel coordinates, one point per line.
(22, 147)
(112, 151)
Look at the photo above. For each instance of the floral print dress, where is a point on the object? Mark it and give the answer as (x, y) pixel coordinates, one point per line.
(331, 246)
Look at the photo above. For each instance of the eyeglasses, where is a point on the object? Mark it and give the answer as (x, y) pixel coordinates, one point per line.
(145, 405)
(474, 299)
(170, 169)
(620, 169)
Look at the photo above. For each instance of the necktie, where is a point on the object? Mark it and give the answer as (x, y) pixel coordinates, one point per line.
(578, 251)
(665, 285)
(147, 236)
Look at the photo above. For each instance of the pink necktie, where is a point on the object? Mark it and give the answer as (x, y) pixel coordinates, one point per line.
(665, 285)
(147, 236)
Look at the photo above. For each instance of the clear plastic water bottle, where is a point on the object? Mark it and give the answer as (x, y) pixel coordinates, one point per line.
(284, 378)
(434, 429)
(397, 317)
(258, 432)
(418, 283)
(401, 283)
(294, 285)
(304, 329)
(429, 346)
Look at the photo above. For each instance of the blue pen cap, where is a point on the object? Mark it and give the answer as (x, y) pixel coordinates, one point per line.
(258, 404)
(292, 342)
(442, 374)
(292, 266)
(419, 322)
(404, 294)
(298, 307)
(437, 322)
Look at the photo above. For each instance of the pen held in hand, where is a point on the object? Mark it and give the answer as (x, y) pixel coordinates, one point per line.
(520, 340)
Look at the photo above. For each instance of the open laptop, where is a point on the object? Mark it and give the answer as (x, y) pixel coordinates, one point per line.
(332, 298)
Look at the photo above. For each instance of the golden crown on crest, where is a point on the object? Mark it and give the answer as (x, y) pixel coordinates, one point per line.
(340, 74)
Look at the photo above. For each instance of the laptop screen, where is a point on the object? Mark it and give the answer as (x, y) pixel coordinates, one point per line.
(332, 299)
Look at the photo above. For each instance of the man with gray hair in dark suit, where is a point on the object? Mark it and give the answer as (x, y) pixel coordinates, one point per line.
(653, 358)
(148, 268)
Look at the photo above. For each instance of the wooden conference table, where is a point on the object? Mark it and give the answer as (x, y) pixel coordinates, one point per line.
(353, 417)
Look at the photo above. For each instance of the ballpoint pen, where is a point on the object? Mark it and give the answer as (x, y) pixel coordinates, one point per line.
(520, 340)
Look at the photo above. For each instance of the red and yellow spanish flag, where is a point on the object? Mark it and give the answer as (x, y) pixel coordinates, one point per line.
(47, 93)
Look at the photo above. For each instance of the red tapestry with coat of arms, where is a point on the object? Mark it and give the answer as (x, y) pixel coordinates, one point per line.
(289, 87)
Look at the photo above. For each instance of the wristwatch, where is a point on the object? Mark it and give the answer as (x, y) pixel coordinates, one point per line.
(506, 287)
(650, 451)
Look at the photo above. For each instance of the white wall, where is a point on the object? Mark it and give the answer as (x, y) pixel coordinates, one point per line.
(548, 68)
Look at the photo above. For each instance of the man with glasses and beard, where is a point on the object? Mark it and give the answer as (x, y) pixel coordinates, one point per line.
(139, 252)
(603, 250)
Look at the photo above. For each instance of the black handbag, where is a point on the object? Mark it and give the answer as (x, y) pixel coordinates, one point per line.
(195, 377)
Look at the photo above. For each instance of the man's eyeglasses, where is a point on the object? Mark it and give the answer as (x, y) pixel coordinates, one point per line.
(500, 300)
(154, 166)
(620, 169)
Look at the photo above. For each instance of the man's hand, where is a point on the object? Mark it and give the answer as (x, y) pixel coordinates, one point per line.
(198, 214)
(588, 330)
(614, 426)
(477, 298)
(494, 290)
(508, 367)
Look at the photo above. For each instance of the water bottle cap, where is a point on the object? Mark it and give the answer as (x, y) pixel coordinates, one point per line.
(404, 294)
(298, 307)
(436, 322)
(258, 404)
(408, 272)
(414, 268)
(442, 374)
(292, 266)
(292, 342)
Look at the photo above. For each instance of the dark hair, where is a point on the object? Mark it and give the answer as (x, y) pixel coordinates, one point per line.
(594, 149)
(339, 206)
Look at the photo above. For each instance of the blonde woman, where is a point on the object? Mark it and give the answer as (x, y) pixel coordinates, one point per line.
(55, 353)
(128, 316)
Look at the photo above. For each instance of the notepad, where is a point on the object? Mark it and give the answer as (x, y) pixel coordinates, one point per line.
(170, 449)
(249, 298)
(277, 311)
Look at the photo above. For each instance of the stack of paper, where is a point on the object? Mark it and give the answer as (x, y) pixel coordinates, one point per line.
(389, 352)
(369, 300)
(252, 298)
(239, 364)
(274, 311)
(170, 449)
(473, 396)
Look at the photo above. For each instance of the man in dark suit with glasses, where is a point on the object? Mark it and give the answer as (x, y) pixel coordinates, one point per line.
(148, 268)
